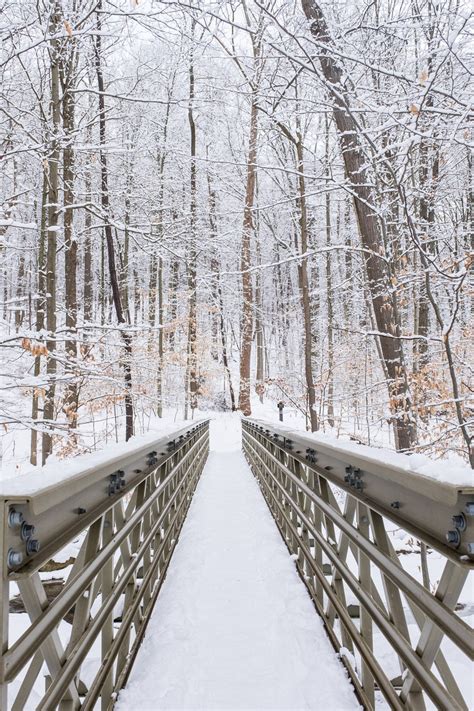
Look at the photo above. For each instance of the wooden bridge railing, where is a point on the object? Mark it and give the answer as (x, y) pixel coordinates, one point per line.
(335, 508)
(127, 512)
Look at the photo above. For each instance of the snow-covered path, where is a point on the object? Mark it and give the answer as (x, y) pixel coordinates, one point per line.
(234, 627)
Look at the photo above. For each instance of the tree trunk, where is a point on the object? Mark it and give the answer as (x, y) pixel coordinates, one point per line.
(71, 401)
(157, 267)
(428, 173)
(173, 303)
(303, 281)
(217, 292)
(125, 249)
(136, 297)
(124, 266)
(378, 273)
(329, 295)
(20, 292)
(88, 291)
(161, 340)
(114, 280)
(259, 349)
(192, 366)
(102, 290)
(40, 314)
(348, 292)
(51, 239)
(246, 326)
(152, 290)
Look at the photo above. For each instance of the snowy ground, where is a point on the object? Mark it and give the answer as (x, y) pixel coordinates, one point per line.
(234, 627)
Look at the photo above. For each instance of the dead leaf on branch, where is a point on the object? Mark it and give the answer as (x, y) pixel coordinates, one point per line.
(39, 350)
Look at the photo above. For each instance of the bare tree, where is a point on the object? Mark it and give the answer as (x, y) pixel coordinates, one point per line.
(383, 298)
(114, 280)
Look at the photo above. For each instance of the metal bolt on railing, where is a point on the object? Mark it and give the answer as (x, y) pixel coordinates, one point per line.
(353, 477)
(453, 537)
(32, 546)
(112, 487)
(459, 522)
(26, 531)
(14, 558)
(151, 459)
(15, 518)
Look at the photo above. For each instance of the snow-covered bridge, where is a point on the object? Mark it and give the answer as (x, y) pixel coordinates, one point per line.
(226, 621)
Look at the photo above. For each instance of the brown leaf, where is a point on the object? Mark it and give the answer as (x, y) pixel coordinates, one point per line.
(414, 109)
(68, 27)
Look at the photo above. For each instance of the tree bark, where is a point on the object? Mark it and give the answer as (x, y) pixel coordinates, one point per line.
(172, 303)
(192, 369)
(378, 272)
(71, 400)
(156, 271)
(259, 349)
(40, 313)
(303, 280)
(161, 340)
(88, 292)
(124, 266)
(114, 280)
(217, 292)
(329, 295)
(51, 238)
(246, 326)
(428, 174)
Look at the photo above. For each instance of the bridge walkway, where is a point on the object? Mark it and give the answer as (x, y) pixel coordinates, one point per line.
(234, 627)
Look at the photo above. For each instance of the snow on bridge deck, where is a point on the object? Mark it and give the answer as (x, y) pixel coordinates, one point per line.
(234, 627)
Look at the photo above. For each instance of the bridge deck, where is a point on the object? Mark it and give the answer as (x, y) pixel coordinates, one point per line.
(234, 627)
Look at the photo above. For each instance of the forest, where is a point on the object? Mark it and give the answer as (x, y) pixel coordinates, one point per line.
(211, 205)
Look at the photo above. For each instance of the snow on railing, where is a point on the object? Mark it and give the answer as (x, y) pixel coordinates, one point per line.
(343, 510)
(124, 509)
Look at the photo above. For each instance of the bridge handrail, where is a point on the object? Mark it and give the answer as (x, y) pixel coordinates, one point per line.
(421, 504)
(69, 501)
(331, 505)
(129, 508)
